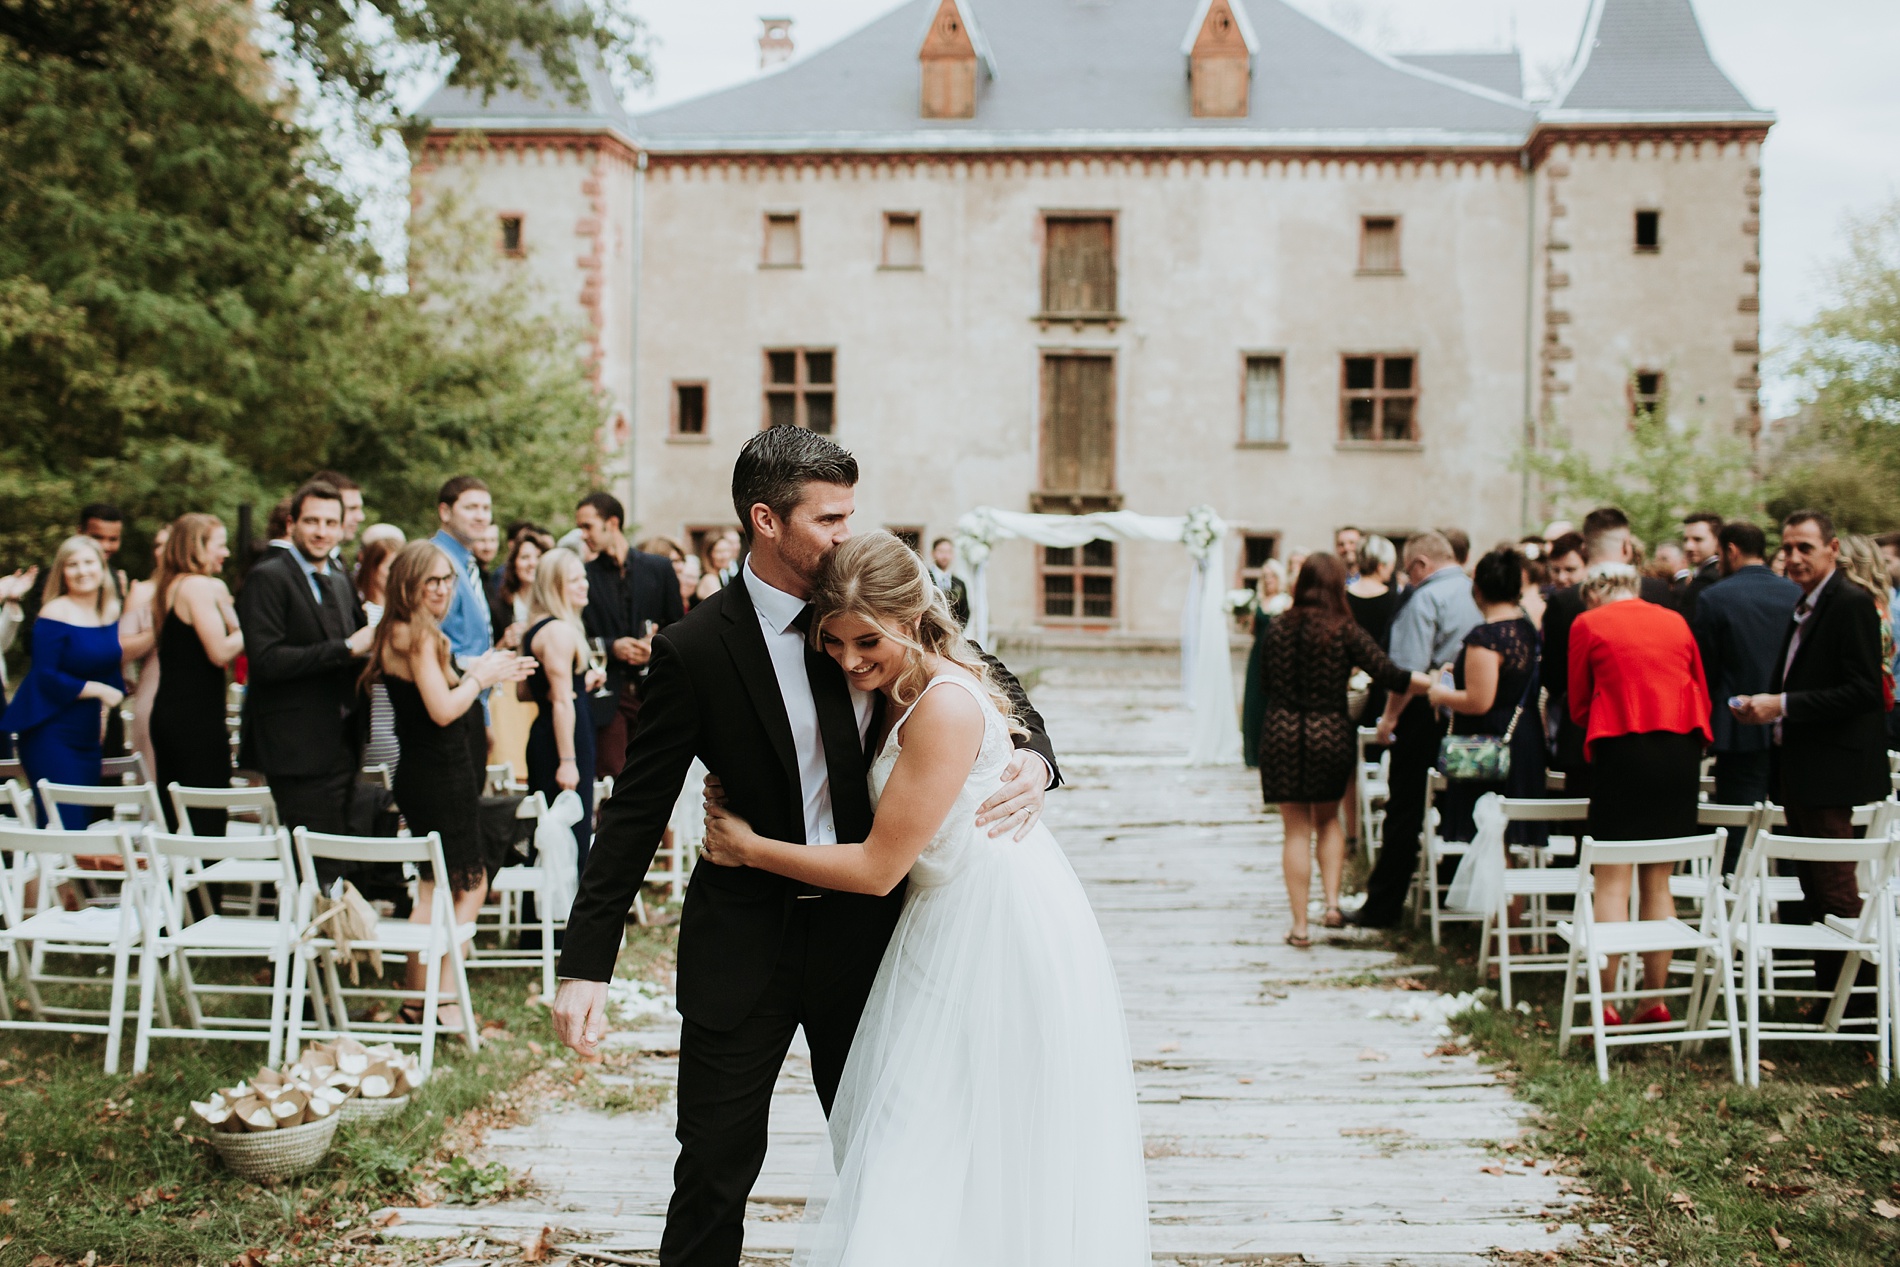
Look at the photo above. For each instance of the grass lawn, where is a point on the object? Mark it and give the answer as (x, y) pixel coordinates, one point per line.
(108, 1166)
(1687, 1166)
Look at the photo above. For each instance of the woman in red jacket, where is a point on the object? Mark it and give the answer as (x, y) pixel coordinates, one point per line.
(1638, 690)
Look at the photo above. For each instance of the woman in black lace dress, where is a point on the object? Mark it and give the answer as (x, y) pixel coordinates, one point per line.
(1494, 676)
(1306, 736)
(438, 715)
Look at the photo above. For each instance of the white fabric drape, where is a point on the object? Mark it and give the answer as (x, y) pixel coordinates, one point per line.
(1206, 672)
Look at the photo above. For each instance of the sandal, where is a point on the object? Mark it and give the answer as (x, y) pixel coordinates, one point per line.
(1298, 942)
(411, 1013)
(1333, 918)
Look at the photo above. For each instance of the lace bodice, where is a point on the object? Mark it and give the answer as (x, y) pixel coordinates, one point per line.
(949, 848)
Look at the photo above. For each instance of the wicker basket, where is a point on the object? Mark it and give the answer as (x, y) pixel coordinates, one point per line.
(277, 1154)
(361, 1109)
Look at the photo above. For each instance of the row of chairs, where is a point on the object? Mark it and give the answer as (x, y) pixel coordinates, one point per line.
(155, 874)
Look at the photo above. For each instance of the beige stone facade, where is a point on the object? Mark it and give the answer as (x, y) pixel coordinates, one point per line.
(1492, 251)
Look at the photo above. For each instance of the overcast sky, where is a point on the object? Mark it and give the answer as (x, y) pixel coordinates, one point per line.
(1827, 69)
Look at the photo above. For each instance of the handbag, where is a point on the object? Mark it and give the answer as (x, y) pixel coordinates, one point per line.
(1482, 758)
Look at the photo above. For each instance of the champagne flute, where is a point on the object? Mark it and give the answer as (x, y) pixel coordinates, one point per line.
(597, 660)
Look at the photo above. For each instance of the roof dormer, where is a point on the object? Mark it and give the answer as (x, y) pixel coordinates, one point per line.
(951, 50)
(1220, 46)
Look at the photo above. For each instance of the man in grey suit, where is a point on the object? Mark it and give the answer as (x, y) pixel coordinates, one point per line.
(1739, 623)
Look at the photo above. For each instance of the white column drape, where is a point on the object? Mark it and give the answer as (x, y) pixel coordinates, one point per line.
(1206, 672)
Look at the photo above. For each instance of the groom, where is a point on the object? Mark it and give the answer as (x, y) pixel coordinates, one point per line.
(737, 685)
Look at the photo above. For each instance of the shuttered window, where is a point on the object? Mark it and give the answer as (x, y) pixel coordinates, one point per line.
(1078, 424)
(1379, 244)
(1078, 270)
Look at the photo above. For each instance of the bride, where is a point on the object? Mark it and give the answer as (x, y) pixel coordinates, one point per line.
(987, 1110)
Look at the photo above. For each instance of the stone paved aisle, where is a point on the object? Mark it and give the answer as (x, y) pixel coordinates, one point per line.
(1288, 1117)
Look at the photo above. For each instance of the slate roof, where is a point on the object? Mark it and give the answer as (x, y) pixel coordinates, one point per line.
(1500, 72)
(1643, 58)
(1091, 73)
(539, 106)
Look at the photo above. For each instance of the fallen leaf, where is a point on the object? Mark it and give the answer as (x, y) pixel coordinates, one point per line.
(388, 1218)
(1373, 1054)
(1775, 1137)
(535, 1247)
(534, 1047)
(1672, 1139)
(1886, 1209)
(1411, 983)
(1653, 1092)
(1782, 1243)
(1169, 1047)
(1491, 1170)
(249, 1258)
(1889, 1145)
(1627, 1187)
(1246, 1082)
(1682, 1201)
(6, 1207)
(1766, 1066)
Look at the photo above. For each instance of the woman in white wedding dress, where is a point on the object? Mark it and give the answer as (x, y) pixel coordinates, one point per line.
(987, 1115)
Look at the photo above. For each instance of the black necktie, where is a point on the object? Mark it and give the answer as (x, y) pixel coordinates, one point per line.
(802, 622)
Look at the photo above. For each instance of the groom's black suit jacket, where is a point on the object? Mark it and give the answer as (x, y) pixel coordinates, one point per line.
(711, 693)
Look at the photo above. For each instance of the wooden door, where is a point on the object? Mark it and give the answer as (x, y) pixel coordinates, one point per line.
(1078, 423)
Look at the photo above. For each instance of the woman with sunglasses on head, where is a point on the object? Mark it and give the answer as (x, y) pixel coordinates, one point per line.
(439, 724)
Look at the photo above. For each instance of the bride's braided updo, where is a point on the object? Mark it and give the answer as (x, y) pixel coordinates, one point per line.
(880, 579)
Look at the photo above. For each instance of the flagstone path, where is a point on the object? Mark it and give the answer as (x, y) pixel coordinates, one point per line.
(1292, 1111)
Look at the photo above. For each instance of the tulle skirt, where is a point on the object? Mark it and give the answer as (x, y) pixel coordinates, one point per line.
(987, 1114)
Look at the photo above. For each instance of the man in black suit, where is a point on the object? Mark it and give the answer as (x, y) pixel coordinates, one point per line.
(738, 685)
(1701, 545)
(943, 553)
(1828, 713)
(1606, 539)
(1739, 625)
(305, 644)
(627, 590)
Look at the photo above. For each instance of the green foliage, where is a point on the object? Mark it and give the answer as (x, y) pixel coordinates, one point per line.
(464, 1182)
(1844, 455)
(1663, 473)
(188, 320)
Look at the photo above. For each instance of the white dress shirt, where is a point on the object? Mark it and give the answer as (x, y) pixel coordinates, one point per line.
(777, 610)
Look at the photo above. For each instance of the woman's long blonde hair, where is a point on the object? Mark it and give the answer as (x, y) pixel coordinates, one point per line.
(106, 603)
(880, 579)
(187, 552)
(548, 595)
(403, 605)
(1860, 559)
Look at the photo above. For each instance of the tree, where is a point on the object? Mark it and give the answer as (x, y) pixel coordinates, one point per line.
(1663, 473)
(188, 319)
(1844, 451)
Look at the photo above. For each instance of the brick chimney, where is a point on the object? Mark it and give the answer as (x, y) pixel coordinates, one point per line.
(948, 58)
(775, 42)
(1220, 47)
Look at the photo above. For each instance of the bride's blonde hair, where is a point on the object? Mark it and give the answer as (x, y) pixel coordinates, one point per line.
(878, 578)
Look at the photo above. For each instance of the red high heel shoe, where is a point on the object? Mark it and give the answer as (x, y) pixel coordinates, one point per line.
(1654, 1014)
(1611, 1016)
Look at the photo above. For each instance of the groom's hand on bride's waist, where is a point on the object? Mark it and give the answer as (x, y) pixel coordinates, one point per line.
(1017, 805)
(580, 1015)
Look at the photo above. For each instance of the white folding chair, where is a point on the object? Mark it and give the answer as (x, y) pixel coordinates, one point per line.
(1374, 789)
(379, 775)
(248, 811)
(125, 802)
(1869, 937)
(95, 931)
(127, 769)
(498, 779)
(433, 940)
(1535, 886)
(1433, 850)
(1592, 943)
(172, 861)
(507, 887)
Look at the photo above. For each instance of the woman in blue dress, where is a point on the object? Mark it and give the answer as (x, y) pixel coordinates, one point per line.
(59, 711)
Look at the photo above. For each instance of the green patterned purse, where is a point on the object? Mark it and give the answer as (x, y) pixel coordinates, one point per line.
(1482, 758)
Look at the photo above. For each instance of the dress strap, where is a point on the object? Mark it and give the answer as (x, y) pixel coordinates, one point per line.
(958, 678)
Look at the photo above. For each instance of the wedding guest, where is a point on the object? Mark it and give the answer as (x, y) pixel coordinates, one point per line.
(1825, 706)
(1738, 627)
(1374, 601)
(198, 636)
(1494, 691)
(561, 741)
(1701, 547)
(1307, 746)
(1860, 559)
(1564, 561)
(1670, 566)
(301, 639)
(1346, 543)
(373, 562)
(720, 564)
(633, 596)
(1889, 543)
(508, 606)
(686, 567)
(1531, 597)
(1638, 694)
(12, 615)
(105, 524)
(465, 513)
(1460, 544)
(383, 532)
(74, 674)
(444, 741)
(1294, 562)
(943, 555)
(486, 549)
(1270, 599)
(1427, 632)
(138, 645)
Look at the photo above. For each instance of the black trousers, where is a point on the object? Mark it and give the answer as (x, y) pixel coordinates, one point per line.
(1414, 750)
(1741, 778)
(320, 803)
(823, 976)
